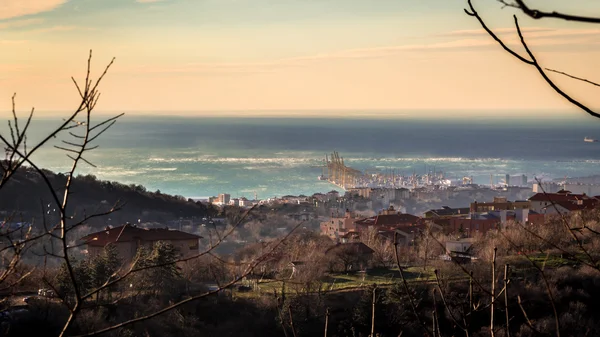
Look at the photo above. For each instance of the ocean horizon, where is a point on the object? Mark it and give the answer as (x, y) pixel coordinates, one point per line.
(198, 157)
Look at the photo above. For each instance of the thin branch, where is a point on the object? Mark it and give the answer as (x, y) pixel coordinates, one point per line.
(405, 284)
(492, 331)
(248, 270)
(291, 320)
(538, 14)
(506, 281)
(529, 323)
(546, 283)
(474, 13)
(532, 61)
(573, 77)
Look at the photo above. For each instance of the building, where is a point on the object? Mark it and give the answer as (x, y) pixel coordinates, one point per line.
(244, 202)
(480, 223)
(388, 219)
(224, 199)
(405, 235)
(548, 187)
(349, 256)
(468, 227)
(499, 204)
(337, 227)
(363, 192)
(385, 195)
(562, 202)
(446, 212)
(129, 238)
(588, 189)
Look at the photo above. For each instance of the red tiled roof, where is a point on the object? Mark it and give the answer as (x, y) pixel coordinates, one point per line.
(128, 233)
(573, 206)
(558, 197)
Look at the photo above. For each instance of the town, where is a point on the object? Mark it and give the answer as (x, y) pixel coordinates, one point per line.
(345, 218)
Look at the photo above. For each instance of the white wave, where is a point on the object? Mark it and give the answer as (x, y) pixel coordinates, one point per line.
(161, 169)
(428, 159)
(250, 162)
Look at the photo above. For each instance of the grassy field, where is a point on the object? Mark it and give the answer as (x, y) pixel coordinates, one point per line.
(341, 281)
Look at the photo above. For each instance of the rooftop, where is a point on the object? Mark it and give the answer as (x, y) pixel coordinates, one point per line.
(128, 233)
(446, 211)
(561, 196)
(389, 220)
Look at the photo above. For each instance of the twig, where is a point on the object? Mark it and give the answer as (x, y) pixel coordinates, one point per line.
(532, 59)
(506, 281)
(538, 14)
(493, 300)
(373, 304)
(573, 77)
(326, 320)
(291, 320)
(405, 284)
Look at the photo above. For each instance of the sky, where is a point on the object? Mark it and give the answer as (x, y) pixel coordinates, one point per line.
(253, 57)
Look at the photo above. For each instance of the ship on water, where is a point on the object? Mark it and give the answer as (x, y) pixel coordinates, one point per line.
(590, 140)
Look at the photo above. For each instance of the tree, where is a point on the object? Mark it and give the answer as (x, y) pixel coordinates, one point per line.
(83, 275)
(104, 267)
(530, 59)
(166, 276)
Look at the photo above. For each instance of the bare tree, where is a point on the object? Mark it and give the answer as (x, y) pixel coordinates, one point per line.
(77, 134)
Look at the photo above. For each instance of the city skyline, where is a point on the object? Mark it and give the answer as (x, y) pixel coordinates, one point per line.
(248, 56)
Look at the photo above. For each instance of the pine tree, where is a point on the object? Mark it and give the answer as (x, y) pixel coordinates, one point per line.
(83, 273)
(103, 268)
(166, 276)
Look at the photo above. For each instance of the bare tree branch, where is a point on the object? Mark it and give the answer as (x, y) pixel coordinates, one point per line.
(532, 59)
(247, 271)
(538, 14)
(573, 77)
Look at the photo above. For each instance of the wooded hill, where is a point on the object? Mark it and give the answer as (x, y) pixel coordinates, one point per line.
(26, 196)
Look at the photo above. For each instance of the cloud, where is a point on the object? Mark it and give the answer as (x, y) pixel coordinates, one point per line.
(566, 38)
(54, 29)
(12, 42)
(528, 32)
(20, 23)
(16, 8)
(499, 31)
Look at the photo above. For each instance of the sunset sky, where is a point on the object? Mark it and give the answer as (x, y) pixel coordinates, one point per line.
(202, 56)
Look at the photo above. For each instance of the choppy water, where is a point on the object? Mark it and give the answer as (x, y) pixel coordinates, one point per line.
(199, 157)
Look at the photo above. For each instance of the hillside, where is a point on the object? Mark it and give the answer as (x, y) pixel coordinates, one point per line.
(26, 193)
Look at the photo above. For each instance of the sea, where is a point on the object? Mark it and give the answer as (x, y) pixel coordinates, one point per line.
(198, 157)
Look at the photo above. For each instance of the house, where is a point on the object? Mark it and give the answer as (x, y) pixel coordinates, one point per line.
(459, 251)
(562, 202)
(129, 238)
(349, 256)
(499, 204)
(469, 227)
(405, 236)
(446, 212)
(387, 219)
(460, 246)
(320, 197)
(336, 227)
(333, 195)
